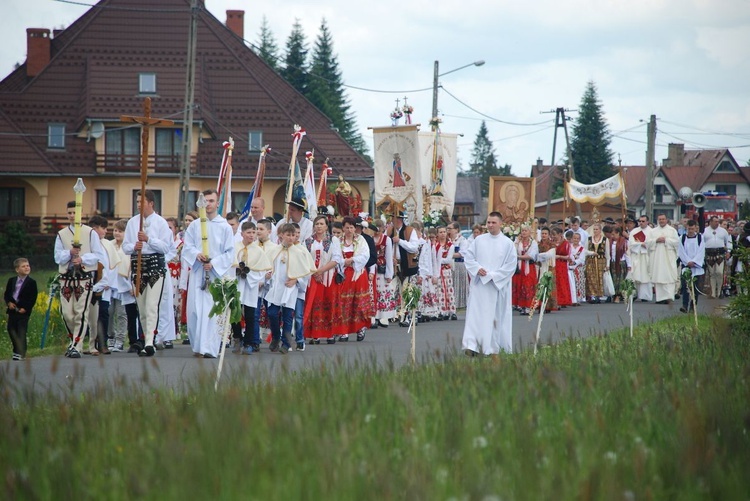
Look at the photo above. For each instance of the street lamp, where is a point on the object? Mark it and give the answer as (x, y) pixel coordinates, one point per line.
(435, 81)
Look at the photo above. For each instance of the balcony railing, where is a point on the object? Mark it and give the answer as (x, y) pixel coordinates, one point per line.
(132, 163)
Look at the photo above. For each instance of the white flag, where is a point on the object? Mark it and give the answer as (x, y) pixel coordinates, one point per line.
(610, 190)
(397, 169)
(438, 165)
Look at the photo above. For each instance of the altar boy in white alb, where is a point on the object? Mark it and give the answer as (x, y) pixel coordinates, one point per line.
(491, 262)
(205, 338)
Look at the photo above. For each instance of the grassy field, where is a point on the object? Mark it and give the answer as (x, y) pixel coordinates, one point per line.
(664, 415)
(56, 339)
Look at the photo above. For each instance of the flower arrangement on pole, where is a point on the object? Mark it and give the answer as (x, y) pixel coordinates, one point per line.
(410, 296)
(687, 276)
(226, 296)
(396, 115)
(627, 289)
(543, 291)
(433, 218)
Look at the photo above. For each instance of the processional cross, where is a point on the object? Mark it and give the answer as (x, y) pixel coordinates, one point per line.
(146, 122)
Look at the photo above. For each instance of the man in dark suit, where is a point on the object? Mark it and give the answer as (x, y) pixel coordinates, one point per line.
(20, 296)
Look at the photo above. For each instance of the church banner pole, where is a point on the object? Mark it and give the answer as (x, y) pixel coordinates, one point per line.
(299, 133)
(539, 322)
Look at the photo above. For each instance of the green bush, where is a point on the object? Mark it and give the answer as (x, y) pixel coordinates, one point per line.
(15, 241)
(739, 306)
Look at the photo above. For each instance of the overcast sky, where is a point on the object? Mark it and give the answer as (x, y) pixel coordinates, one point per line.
(686, 61)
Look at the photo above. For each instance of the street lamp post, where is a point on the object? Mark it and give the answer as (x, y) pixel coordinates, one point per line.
(435, 83)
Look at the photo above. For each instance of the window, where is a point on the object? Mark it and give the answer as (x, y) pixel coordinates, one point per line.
(168, 147)
(157, 201)
(147, 83)
(123, 147)
(56, 136)
(105, 202)
(12, 202)
(192, 198)
(726, 166)
(729, 189)
(255, 141)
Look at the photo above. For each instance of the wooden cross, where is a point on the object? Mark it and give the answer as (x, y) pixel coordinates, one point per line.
(146, 122)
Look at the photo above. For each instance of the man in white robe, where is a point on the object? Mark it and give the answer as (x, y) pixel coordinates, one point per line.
(640, 272)
(205, 338)
(692, 256)
(663, 245)
(491, 262)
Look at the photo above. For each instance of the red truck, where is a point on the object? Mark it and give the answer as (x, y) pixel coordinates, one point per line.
(717, 204)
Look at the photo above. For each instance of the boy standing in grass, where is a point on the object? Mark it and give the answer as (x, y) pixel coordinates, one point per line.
(20, 297)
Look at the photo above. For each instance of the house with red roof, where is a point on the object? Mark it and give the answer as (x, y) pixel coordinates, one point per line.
(60, 114)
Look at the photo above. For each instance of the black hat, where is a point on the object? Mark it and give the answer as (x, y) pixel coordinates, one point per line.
(299, 203)
(609, 220)
(400, 214)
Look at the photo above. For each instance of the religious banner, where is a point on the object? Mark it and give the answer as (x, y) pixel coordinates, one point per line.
(437, 158)
(398, 180)
(513, 197)
(610, 190)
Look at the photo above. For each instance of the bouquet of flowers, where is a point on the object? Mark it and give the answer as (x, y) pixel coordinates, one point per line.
(543, 291)
(408, 109)
(396, 114)
(433, 218)
(410, 296)
(512, 231)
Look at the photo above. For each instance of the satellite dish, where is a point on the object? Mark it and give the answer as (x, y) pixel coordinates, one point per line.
(685, 193)
(97, 130)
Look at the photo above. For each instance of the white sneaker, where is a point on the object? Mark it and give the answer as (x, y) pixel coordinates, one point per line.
(116, 347)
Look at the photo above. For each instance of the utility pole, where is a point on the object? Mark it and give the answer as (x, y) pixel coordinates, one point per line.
(560, 121)
(435, 91)
(651, 146)
(187, 125)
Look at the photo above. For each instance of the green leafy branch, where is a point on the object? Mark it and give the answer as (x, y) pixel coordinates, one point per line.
(226, 295)
(627, 289)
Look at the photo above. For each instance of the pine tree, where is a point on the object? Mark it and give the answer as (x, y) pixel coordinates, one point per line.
(325, 90)
(589, 145)
(295, 68)
(268, 49)
(484, 161)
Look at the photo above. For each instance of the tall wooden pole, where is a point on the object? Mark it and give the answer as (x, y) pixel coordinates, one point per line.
(651, 146)
(187, 125)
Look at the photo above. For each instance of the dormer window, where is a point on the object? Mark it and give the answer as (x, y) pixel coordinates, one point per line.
(255, 141)
(56, 136)
(726, 166)
(147, 83)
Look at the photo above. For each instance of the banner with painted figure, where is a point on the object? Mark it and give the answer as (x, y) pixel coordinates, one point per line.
(437, 158)
(398, 180)
(611, 190)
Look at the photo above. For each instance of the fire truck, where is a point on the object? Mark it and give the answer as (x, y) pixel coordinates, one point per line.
(713, 203)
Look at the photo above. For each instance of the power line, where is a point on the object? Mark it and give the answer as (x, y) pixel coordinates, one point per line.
(131, 9)
(489, 117)
(705, 131)
(694, 143)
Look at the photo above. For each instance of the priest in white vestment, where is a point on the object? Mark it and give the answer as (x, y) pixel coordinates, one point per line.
(663, 245)
(205, 338)
(640, 272)
(491, 262)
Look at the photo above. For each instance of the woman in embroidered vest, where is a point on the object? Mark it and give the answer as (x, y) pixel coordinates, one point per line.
(387, 302)
(562, 280)
(597, 262)
(321, 294)
(578, 268)
(428, 305)
(443, 269)
(525, 279)
(353, 307)
(620, 261)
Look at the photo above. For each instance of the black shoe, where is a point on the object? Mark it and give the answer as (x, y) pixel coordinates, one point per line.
(374, 325)
(403, 323)
(133, 349)
(470, 353)
(331, 340)
(454, 316)
(150, 350)
(256, 347)
(361, 335)
(274, 346)
(186, 341)
(677, 296)
(315, 341)
(663, 302)
(609, 300)
(300, 347)
(683, 310)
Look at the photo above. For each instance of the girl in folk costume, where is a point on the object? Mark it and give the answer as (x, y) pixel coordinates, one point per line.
(460, 276)
(174, 265)
(568, 235)
(353, 308)
(428, 305)
(547, 262)
(322, 294)
(620, 261)
(442, 263)
(578, 268)
(184, 274)
(597, 262)
(562, 280)
(525, 279)
(387, 289)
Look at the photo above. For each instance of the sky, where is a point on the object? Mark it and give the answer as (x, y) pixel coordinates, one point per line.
(685, 61)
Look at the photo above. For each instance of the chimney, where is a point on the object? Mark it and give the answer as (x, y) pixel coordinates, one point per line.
(236, 22)
(37, 50)
(676, 154)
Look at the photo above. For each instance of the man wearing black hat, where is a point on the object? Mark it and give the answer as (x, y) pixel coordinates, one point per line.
(406, 250)
(297, 209)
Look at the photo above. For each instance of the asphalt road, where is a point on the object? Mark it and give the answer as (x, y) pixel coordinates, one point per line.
(389, 347)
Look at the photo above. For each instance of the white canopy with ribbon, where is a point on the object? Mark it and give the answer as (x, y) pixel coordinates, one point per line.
(610, 190)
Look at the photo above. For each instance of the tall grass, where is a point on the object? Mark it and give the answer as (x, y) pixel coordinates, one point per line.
(664, 415)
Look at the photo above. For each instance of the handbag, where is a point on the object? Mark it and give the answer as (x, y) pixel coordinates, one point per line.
(339, 276)
(608, 285)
